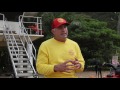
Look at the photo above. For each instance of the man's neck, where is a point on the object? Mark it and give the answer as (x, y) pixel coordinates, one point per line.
(61, 40)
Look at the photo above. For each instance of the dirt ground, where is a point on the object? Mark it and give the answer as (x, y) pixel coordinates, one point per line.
(85, 74)
(91, 74)
(88, 74)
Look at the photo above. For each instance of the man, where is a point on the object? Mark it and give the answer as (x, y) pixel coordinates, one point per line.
(59, 57)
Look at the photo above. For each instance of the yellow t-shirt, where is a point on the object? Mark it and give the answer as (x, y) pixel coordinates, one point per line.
(53, 52)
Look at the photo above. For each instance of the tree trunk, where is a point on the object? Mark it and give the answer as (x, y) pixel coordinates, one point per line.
(118, 25)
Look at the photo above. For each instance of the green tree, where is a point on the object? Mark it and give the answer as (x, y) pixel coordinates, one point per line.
(94, 37)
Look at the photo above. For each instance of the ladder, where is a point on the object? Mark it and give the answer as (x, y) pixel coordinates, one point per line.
(22, 66)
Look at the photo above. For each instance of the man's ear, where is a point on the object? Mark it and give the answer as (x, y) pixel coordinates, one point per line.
(53, 30)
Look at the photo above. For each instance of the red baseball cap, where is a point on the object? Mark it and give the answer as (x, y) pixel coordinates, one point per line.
(58, 22)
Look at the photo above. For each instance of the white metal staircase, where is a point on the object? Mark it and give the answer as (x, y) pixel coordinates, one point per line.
(19, 56)
(22, 66)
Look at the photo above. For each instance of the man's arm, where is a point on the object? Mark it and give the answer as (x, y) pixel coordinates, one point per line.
(42, 65)
(79, 59)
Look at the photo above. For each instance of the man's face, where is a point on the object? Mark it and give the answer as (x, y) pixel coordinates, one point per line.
(60, 32)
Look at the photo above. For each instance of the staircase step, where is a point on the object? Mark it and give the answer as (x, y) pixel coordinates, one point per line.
(22, 63)
(18, 54)
(11, 39)
(23, 52)
(16, 51)
(14, 44)
(24, 69)
(25, 74)
(20, 59)
(16, 61)
(15, 47)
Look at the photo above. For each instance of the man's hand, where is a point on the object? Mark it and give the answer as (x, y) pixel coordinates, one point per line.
(76, 63)
(64, 67)
(67, 66)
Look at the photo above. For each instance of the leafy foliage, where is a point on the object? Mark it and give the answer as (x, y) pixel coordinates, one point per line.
(94, 37)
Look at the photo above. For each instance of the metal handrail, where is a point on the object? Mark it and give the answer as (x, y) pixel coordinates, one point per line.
(28, 40)
(26, 34)
(5, 28)
(38, 22)
(3, 18)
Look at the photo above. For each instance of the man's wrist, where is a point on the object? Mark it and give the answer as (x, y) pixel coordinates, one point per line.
(55, 68)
